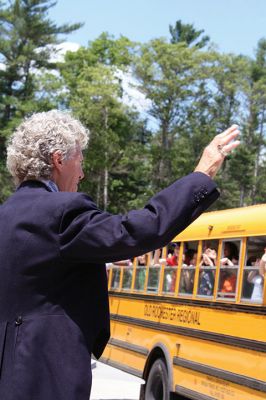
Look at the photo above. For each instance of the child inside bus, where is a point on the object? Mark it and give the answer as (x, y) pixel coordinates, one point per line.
(142, 262)
(229, 275)
(173, 259)
(206, 278)
(256, 278)
(188, 272)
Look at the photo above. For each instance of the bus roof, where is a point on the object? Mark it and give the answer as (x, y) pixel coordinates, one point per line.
(235, 222)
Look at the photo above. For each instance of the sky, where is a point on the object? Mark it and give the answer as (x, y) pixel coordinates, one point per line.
(234, 26)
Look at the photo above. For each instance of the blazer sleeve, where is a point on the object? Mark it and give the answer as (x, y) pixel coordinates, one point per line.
(88, 234)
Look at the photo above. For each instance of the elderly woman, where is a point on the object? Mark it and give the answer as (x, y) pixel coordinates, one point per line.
(53, 249)
(48, 147)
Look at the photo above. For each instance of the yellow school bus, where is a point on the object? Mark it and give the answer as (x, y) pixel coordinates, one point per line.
(191, 319)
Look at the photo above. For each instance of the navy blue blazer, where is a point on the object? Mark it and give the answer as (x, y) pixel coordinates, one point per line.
(53, 289)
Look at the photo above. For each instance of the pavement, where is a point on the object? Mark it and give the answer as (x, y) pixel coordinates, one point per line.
(109, 383)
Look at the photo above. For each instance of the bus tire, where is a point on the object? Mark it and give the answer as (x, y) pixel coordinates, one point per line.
(157, 386)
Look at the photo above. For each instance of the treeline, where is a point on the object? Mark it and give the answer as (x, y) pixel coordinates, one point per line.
(191, 92)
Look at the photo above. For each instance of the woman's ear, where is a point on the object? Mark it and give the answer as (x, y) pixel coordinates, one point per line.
(57, 160)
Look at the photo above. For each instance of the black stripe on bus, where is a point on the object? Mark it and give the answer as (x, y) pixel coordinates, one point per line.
(191, 394)
(254, 345)
(129, 346)
(243, 380)
(122, 367)
(199, 302)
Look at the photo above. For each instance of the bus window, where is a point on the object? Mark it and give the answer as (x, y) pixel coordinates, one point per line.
(173, 250)
(208, 265)
(188, 266)
(115, 278)
(157, 259)
(229, 267)
(142, 262)
(252, 290)
(170, 270)
(116, 272)
(153, 278)
(127, 278)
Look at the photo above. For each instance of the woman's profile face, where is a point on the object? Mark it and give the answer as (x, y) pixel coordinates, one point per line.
(68, 172)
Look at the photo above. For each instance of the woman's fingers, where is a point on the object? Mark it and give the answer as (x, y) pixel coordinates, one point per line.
(231, 146)
(226, 141)
(215, 153)
(228, 131)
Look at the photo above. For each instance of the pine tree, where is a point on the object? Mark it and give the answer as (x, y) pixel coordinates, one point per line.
(169, 75)
(188, 34)
(116, 163)
(27, 41)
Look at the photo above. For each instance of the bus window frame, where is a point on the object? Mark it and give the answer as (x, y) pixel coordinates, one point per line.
(242, 255)
(127, 268)
(194, 296)
(133, 275)
(217, 274)
(178, 271)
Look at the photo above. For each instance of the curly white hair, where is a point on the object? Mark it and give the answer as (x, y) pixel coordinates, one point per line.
(34, 141)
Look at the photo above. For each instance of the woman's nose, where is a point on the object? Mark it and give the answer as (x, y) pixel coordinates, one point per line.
(81, 175)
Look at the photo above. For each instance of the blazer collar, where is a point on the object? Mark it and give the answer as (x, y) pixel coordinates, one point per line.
(48, 185)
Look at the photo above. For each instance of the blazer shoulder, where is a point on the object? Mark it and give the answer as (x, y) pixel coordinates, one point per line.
(75, 200)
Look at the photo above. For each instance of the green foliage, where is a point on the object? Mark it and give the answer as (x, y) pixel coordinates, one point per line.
(170, 77)
(188, 34)
(193, 92)
(27, 40)
(116, 161)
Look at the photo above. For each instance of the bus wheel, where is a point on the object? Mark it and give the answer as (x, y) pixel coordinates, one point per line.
(157, 387)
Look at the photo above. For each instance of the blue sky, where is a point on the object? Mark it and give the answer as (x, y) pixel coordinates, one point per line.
(233, 25)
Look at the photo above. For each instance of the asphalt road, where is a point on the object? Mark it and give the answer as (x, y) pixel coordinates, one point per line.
(111, 384)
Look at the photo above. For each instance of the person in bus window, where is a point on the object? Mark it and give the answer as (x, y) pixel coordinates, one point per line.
(229, 276)
(188, 272)
(256, 277)
(157, 260)
(228, 283)
(173, 259)
(230, 256)
(142, 262)
(252, 261)
(54, 244)
(190, 257)
(206, 278)
(262, 267)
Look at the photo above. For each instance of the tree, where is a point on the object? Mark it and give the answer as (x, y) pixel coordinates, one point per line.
(256, 118)
(186, 33)
(27, 42)
(169, 75)
(227, 78)
(116, 159)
